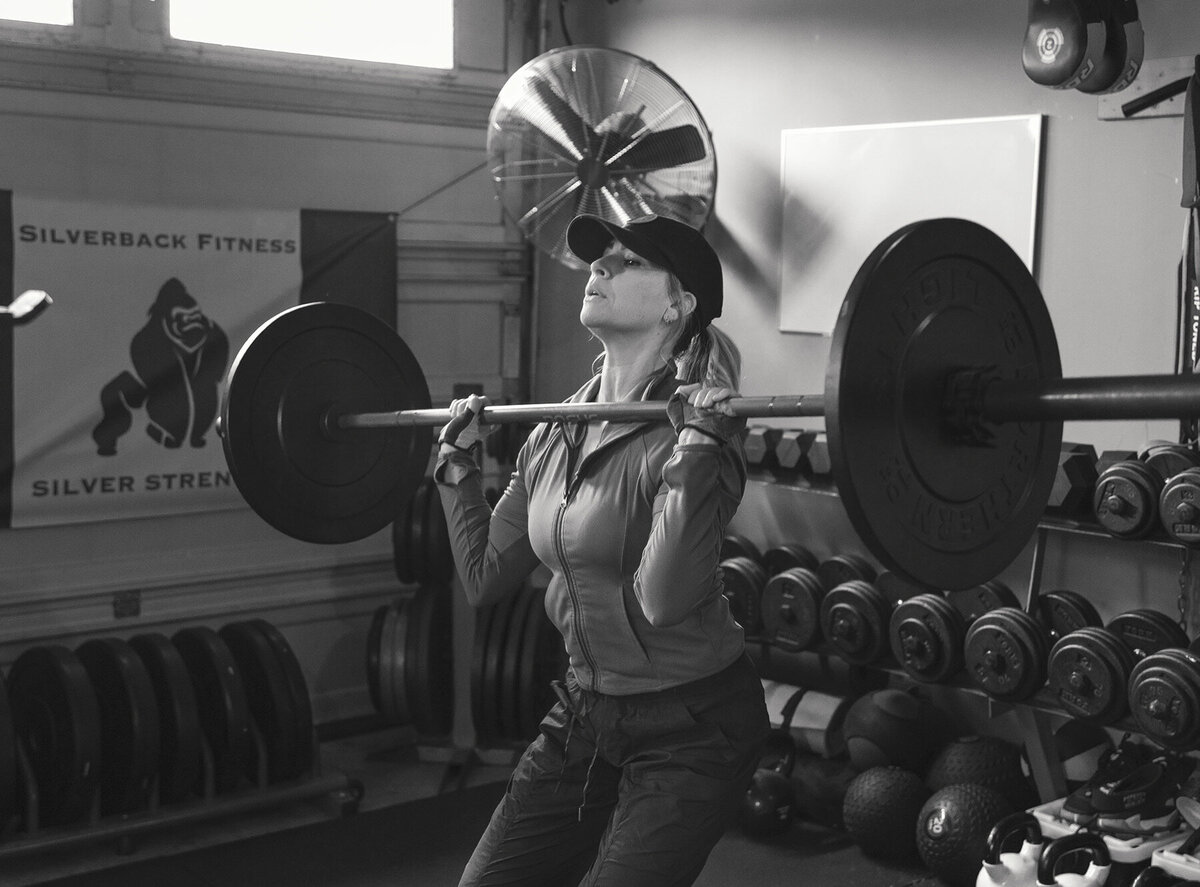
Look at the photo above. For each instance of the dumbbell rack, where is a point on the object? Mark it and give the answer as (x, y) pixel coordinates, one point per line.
(1035, 716)
(343, 792)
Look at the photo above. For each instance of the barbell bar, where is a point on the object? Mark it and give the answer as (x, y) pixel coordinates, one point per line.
(943, 406)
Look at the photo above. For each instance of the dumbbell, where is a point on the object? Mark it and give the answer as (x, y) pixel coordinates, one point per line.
(1007, 651)
(1089, 669)
(928, 630)
(744, 580)
(791, 598)
(1179, 506)
(759, 444)
(1164, 691)
(1126, 500)
(1075, 479)
(854, 611)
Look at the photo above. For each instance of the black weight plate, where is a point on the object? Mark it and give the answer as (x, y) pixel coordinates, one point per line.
(402, 540)
(1179, 506)
(8, 761)
(181, 755)
(791, 609)
(511, 679)
(1004, 655)
(429, 675)
(983, 598)
(854, 619)
(839, 568)
(387, 678)
(1125, 499)
(269, 699)
(298, 687)
(744, 580)
(56, 717)
(926, 634)
(308, 480)
(418, 543)
(1147, 631)
(737, 545)
(439, 557)
(130, 740)
(221, 699)
(1164, 698)
(935, 297)
(399, 657)
(479, 656)
(1061, 611)
(786, 557)
(493, 701)
(1088, 670)
(374, 636)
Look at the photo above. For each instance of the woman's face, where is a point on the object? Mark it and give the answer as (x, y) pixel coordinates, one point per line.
(625, 292)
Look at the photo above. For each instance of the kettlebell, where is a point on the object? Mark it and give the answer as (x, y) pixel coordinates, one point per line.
(1008, 869)
(770, 801)
(1097, 870)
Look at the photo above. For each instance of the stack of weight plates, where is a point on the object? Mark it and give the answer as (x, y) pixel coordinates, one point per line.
(421, 540)
(517, 653)
(410, 660)
(110, 727)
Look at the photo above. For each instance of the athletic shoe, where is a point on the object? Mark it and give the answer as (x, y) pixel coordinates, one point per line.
(1128, 756)
(1143, 802)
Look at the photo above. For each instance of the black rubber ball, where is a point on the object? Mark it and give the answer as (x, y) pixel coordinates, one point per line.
(983, 760)
(880, 812)
(885, 728)
(769, 804)
(953, 827)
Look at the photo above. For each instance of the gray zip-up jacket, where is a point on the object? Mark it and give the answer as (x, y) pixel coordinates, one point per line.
(631, 535)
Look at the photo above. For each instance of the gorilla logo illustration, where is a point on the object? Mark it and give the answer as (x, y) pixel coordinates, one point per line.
(179, 357)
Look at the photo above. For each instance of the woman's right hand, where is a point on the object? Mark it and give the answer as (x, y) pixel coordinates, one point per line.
(462, 431)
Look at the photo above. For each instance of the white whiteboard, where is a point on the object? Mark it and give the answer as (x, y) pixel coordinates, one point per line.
(846, 188)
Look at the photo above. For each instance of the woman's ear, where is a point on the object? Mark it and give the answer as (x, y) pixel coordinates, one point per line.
(687, 303)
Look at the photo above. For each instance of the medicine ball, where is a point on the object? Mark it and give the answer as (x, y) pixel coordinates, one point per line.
(887, 727)
(1079, 747)
(953, 827)
(983, 760)
(880, 811)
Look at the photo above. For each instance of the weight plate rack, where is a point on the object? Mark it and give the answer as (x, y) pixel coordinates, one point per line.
(119, 738)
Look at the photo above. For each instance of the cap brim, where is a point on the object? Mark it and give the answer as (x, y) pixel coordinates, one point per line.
(589, 236)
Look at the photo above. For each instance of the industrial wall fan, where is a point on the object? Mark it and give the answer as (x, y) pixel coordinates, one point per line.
(596, 130)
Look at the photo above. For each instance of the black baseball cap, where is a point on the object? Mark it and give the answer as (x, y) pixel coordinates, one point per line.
(668, 243)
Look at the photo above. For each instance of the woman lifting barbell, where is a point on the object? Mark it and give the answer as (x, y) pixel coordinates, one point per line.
(642, 763)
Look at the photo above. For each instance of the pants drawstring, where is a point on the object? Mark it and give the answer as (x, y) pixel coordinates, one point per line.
(587, 780)
(560, 690)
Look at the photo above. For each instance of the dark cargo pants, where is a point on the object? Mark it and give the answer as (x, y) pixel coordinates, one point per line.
(626, 790)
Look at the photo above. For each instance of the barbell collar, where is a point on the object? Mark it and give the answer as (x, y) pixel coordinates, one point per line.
(1092, 398)
(634, 411)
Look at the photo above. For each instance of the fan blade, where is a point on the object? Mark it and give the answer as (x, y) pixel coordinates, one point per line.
(660, 150)
(580, 138)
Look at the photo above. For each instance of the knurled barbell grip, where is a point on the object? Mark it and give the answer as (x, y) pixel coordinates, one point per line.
(639, 411)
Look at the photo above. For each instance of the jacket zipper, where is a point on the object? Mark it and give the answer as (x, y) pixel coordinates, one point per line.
(573, 449)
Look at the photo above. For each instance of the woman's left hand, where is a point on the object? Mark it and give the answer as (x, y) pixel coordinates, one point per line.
(702, 414)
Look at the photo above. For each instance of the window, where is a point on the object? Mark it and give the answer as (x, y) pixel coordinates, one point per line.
(402, 32)
(42, 12)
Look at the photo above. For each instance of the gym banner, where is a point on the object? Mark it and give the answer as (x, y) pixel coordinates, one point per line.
(115, 388)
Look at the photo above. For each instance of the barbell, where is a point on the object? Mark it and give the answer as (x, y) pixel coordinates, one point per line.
(943, 405)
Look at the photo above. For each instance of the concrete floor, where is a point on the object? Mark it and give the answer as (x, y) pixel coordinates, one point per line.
(388, 764)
